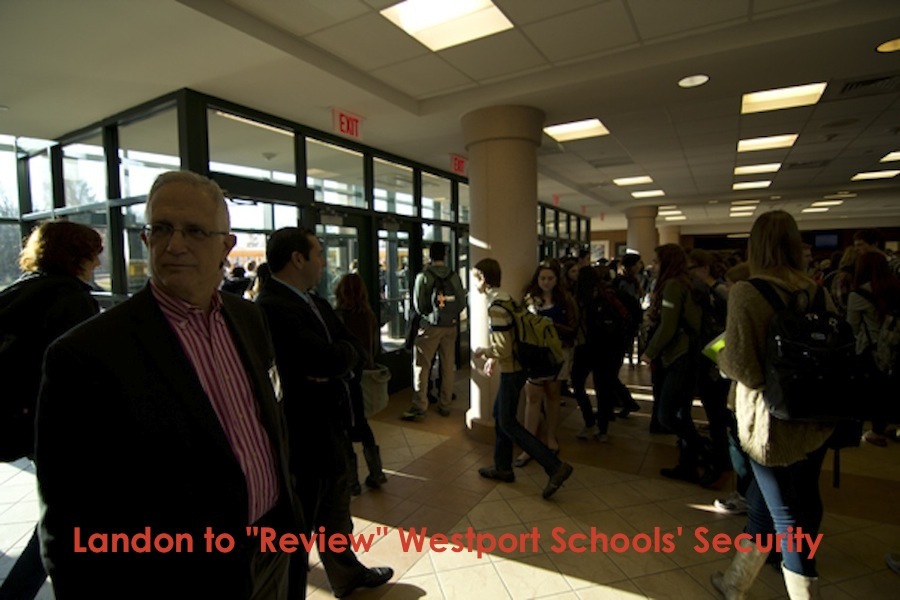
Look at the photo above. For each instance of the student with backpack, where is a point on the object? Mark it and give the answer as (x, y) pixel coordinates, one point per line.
(501, 354)
(52, 296)
(439, 297)
(785, 455)
(873, 311)
(547, 296)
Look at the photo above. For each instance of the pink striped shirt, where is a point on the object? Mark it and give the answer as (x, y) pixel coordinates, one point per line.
(210, 347)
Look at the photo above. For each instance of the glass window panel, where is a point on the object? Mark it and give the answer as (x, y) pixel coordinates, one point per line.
(249, 214)
(540, 220)
(96, 219)
(84, 172)
(250, 247)
(341, 247)
(9, 185)
(550, 222)
(286, 216)
(464, 203)
(393, 286)
(335, 174)
(137, 259)
(436, 198)
(393, 188)
(462, 267)
(434, 233)
(248, 148)
(40, 182)
(147, 148)
(10, 245)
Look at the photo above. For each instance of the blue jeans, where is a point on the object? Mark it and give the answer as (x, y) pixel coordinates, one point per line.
(673, 392)
(508, 430)
(792, 495)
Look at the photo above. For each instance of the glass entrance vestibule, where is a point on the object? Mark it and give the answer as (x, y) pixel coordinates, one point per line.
(376, 213)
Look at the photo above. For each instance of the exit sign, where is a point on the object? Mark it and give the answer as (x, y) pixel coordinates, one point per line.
(346, 123)
(458, 164)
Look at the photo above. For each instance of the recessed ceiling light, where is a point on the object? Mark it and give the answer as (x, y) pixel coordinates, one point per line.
(840, 195)
(246, 121)
(667, 207)
(767, 143)
(633, 180)
(751, 185)
(741, 214)
(738, 235)
(668, 213)
(891, 156)
(789, 97)
(676, 218)
(739, 202)
(814, 210)
(874, 175)
(692, 81)
(576, 130)
(440, 25)
(648, 194)
(828, 203)
(756, 169)
(738, 209)
(889, 46)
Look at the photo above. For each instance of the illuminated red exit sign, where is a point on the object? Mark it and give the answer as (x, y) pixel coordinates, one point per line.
(458, 164)
(346, 123)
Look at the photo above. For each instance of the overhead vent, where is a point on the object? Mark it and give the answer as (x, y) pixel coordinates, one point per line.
(810, 164)
(857, 88)
(612, 161)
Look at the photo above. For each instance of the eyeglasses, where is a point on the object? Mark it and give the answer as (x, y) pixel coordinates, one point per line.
(158, 232)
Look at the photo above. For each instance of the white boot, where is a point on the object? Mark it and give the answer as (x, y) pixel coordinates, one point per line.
(800, 587)
(738, 578)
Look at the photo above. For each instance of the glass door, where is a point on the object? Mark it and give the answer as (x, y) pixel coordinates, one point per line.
(342, 250)
(396, 275)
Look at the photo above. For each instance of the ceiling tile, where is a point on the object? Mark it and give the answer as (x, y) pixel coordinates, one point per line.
(422, 76)
(369, 42)
(501, 55)
(303, 18)
(657, 19)
(524, 12)
(583, 32)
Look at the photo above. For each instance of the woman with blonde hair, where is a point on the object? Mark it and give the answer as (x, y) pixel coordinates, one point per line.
(785, 456)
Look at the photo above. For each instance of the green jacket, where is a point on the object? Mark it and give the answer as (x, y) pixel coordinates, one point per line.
(679, 324)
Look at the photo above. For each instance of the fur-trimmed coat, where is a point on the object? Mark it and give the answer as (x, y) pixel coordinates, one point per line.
(768, 441)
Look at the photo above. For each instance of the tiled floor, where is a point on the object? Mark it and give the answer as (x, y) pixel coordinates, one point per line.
(616, 489)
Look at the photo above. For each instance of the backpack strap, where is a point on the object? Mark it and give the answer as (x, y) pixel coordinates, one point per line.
(512, 317)
(767, 290)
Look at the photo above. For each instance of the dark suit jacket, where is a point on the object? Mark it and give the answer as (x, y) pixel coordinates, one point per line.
(127, 439)
(318, 412)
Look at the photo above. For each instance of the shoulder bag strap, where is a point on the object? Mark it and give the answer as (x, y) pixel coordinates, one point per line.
(768, 292)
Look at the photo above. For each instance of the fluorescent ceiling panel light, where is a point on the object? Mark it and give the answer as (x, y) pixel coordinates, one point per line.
(741, 214)
(843, 195)
(814, 210)
(735, 209)
(255, 123)
(633, 180)
(738, 235)
(757, 169)
(692, 81)
(789, 97)
(648, 194)
(767, 143)
(676, 218)
(874, 175)
(440, 25)
(751, 185)
(576, 130)
(828, 203)
(668, 213)
(892, 156)
(667, 207)
(739, 202)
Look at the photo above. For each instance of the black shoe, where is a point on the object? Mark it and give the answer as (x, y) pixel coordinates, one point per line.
(355, 488)
(444, 412)
(372, 578)
(556, 480)
(493, 473)
(681, 472)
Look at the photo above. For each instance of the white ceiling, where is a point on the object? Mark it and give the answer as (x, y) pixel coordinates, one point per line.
(67, 64)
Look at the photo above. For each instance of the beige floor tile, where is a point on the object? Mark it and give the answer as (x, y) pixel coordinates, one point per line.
(534, 508)
(587, 569)
(621, 590)
(620, 494)
(412, 588)
(672, 584)
(532, 577)
(482, 581)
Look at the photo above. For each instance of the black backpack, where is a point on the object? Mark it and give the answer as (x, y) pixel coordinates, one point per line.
(445, 305)
(810, 366)
(607, 321)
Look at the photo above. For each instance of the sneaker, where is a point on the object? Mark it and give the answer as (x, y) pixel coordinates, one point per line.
(588, 432)
(556, 480)
(876, 439)
(734, 504)
(494, 473)
(413, 414)
(444, 412)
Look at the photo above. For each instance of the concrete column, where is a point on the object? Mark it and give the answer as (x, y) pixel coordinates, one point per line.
(642, 235)
(501, 142)
(670, 234)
